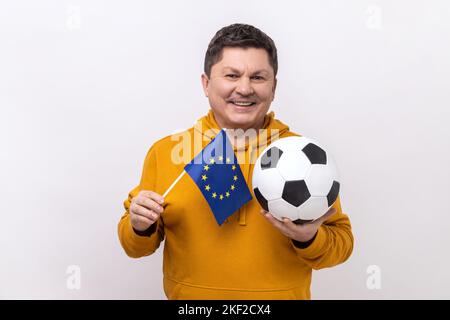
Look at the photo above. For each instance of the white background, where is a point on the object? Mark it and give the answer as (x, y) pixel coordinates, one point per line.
(87, 86)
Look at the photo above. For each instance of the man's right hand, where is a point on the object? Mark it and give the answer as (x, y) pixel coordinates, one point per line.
(145, 209)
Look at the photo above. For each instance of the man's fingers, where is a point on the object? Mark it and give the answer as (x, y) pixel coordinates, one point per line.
(144, 212)
(152, 195)
(289, 224)
(149, 204)
(277, 223)
(138, 220)
(144, 207)
(272, 219)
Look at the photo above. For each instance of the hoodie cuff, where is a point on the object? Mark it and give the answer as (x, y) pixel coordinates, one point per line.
(314, 247)
(304, 245)
(146, 233)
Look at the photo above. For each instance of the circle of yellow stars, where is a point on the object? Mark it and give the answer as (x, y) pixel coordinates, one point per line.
(208, 187)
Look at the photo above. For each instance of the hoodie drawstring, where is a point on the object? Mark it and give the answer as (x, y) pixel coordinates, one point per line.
(243, 210)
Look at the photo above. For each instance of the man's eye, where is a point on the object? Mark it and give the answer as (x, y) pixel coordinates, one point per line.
(258, 78)
(232, 76)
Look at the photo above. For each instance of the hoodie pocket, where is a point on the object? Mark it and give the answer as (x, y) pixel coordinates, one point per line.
(179, 291)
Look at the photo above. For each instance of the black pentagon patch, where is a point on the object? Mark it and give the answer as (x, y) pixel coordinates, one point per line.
(315, 154)
(300, 221)
(262, 201)
(334, 191)
(271, 158)
(295, 192)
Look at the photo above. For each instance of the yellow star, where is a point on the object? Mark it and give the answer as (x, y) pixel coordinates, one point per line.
(207, 187)
(206, 168)
(233, 167)
(204, 177)
(228, 160)
(234, 178)
(221, 197)
(227, 194)
(220, 158)
(232, 187)
(212, 161)
(214, 195)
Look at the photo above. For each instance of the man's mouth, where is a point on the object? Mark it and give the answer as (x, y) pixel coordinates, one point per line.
(243, 103)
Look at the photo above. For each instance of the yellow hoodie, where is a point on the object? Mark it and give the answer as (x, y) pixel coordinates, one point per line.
(246, 257)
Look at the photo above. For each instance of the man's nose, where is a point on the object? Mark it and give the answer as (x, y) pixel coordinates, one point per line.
(244, 86)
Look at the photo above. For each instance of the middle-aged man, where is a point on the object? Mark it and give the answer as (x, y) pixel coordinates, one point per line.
(252, 255)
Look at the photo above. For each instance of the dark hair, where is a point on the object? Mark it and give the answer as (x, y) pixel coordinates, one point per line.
(242, 36)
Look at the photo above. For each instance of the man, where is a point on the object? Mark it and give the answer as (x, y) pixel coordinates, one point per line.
(252, 255)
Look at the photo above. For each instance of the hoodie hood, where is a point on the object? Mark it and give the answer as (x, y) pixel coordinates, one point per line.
(249, 150)
(274, 129)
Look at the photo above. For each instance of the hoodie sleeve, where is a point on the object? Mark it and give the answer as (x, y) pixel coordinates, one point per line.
(332, 244)
(145, 243)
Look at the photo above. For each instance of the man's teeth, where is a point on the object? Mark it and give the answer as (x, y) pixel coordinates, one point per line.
(242, 103)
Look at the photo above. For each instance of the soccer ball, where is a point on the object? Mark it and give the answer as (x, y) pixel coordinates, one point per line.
(296, 178)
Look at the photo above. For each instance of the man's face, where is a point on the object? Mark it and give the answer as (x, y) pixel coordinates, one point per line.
(241, 88)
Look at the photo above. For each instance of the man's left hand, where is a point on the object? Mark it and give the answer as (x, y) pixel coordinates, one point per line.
(300, 232)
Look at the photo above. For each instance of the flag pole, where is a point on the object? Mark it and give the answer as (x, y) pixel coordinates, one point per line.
(174, 183)
(179, 177)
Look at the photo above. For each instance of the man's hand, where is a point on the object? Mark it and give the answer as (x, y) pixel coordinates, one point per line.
(145, 209)
(300, 232)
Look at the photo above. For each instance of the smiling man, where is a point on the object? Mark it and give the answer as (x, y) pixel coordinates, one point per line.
(240, 84)
(252, 255)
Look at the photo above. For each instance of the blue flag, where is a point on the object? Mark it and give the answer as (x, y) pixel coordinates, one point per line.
(217, 174)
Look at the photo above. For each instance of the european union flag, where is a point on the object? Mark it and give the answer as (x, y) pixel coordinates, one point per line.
(218, 176)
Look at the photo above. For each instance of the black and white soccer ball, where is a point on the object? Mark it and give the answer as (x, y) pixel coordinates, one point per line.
(296, 178)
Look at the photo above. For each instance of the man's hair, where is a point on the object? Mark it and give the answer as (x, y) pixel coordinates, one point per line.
(241, 36)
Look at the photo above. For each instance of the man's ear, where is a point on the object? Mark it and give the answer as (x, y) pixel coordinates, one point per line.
(274, 88)
(205, 82)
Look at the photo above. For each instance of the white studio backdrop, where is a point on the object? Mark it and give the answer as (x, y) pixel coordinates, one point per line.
(87, 86)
